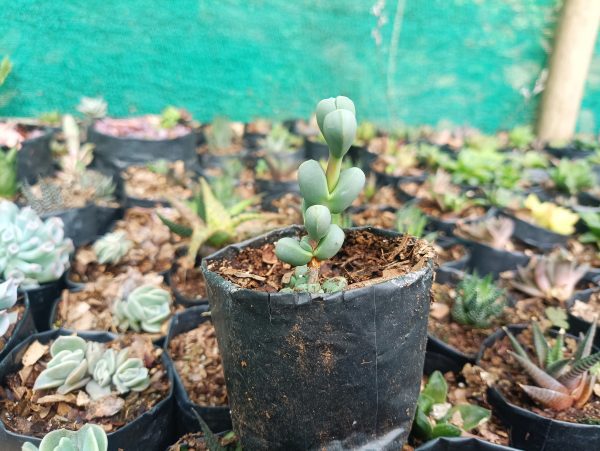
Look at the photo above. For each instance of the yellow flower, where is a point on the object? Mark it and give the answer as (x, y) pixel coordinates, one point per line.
(551, 216)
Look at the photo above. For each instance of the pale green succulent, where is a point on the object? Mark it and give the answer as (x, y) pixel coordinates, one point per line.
(68, 368)
(32, 251)
(131, 375)
(325, 192)
(90, 437)
(146, 308)
(112, 247)
(8, 298)
(102, 372)
(93, 107)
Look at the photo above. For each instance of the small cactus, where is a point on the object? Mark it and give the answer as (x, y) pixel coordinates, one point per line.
(112, 247)
(90, 437)
(326, 194)
(146, 308)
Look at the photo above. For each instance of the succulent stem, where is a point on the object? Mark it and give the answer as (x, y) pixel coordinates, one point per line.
(313, 270)
(334, 167)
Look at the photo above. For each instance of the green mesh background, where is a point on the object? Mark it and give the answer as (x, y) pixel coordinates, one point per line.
(461, 61)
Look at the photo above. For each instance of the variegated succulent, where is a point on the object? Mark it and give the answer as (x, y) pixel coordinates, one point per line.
(495, 231)
(553, 276)
(561, 382)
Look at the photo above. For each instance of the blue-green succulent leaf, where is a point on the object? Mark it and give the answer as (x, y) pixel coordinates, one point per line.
(313, 183)
(351, 183)
(330, 244)
(317, 220)
(290, 251)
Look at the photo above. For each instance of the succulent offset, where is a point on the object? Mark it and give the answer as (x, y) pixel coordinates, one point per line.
(146, 308)
(478, 301)
(561, 382)
(90, 437)
(112, 247)
(8, 298)
(32, 251)
(326, 194)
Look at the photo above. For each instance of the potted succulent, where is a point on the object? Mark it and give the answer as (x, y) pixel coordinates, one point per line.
(191, 345)
(32, 141)
(543, 388)
(76, 193)
(398, 162)
(571, 177)
(120, 143)
(35, 254)
(224, 143)
(90, 437)
(290, 327)
(123, 384)
(16, 322)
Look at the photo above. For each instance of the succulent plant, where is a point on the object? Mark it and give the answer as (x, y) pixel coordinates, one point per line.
(477, 167)
(562, 382)
(436, 417)
(68, 368)
(112, 247)
(365, 132)
(49, 200)
(495, 231)
(550, 216)
(478, 301)
(8, 173)
(521, 137)
(90, 437)
(412, 221)
(32, 251)
(131, 375)
(76, 157)
(170, 117)
(103, 370)
(553, 276)
(8, 298)
(275, 146)
(326, 194)
(146, 308)
(592, 221)
(572, 176)
(93, 107)
(220, 136)
(299, 282)
(209, 221)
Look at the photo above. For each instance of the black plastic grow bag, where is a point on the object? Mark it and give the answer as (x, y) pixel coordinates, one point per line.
(24, 328)
(218, 418)
(151, 430)
(115, 154)
(534, 432)
(271, 188)
(535, 236)
(308, 372)
(80, 224)
(42, 300)
(485, 259)
(462, 444)
(578, 325)
(34, 158)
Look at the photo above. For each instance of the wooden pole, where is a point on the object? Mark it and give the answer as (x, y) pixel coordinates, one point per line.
(573, 50)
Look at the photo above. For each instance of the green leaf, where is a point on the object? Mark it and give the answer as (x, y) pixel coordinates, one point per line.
(436, 388)
(5, 68)
(177, 229)
(445, 430)
(330, 244)
(313, 183)
(558, 317)
(422, 426)
(541, 346)
(339, 130)
(317, 221)
(349, 186)
(290, 251)
(515, 344)
(472, 415)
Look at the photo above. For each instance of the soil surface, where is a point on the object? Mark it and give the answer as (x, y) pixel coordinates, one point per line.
(20, 309)
(197, 361)
(189, 283)
(449, 254)
(35, 413)
(584, 253)
(587, 310)
(508, 374)
(466, 339)
(376, 217)
(141, 182)
(385, 196)
(365, 259)
(195, 442)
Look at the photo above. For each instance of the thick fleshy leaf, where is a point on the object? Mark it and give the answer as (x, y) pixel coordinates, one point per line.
(540, 343)
(339, 130)
(436, 388)
(571, 377)
(69, 343)
(548, 398)
(349, 186)
(317, 220)
(330, 244)
(445, 430)
(539, 376)
(472, 415)
(585, 344)
(313, 183)
(324, 107)
(290, 251)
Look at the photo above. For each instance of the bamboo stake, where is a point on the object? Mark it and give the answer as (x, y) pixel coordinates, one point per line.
(569, 64)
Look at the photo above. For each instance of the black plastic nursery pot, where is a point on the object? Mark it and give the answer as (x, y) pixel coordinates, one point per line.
(23, 329)
(270, 188)
(308, 372)
(217, 418)
(571, 152)
(42, 300)
(383, 179)
(535, 236)
(114, 154)
(440, 362)
(578, 325)
(208, 160)
(80, 224)
(151, 430)
(485, 259)
(181, 298)
(530, 431)
(462, 444)
(34, 158)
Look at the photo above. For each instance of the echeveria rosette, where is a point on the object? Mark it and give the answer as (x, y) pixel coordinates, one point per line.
(146, 309)
(102, 372)
(68, 368)
(90, 437)
(326, 194)
(112, 247)
(32, 251)
(131, 375)
(8, 298)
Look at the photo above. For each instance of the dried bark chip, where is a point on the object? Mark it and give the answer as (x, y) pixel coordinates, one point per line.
(34, 352)
(49, 399)
(104, 407)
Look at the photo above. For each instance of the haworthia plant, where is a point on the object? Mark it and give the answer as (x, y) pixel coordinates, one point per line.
(326, 194)
(90, 437)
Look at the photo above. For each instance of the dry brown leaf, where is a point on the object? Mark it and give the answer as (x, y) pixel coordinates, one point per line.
(49, 399)
(104, 407)
(34, 352)
(82, 398)
(242, 274)
(63, 409)
(24, 373)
